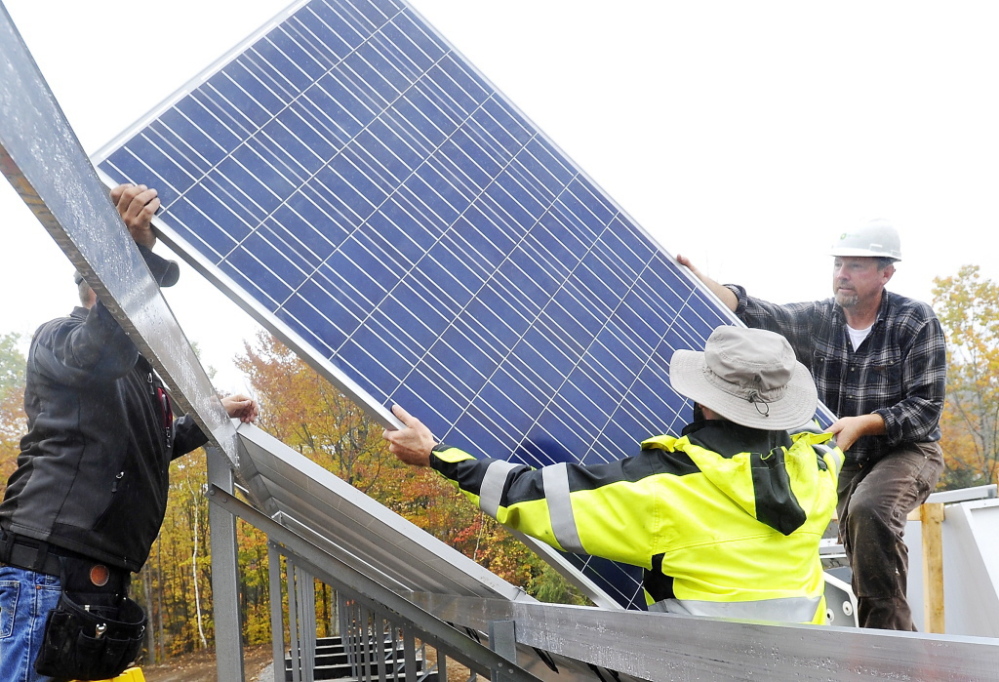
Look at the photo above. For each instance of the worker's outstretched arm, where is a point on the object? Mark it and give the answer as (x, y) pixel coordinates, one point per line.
(574, 508)
(726, 295)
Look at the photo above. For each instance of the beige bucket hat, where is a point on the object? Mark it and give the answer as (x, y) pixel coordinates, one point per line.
(748, 376)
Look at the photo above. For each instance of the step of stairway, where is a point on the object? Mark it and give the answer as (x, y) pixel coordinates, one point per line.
(345, 672)
(327, 657)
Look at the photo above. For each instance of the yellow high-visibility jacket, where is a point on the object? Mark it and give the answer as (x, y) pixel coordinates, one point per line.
(725, 520)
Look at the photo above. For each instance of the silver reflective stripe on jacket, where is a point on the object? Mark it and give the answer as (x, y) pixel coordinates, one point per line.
(784, 610)
(824, 449)
(491, 490)
(556, 481)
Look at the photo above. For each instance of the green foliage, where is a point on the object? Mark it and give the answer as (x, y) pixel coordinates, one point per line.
(11, 364)
(968, 308)
(12, 419)
(548, 585)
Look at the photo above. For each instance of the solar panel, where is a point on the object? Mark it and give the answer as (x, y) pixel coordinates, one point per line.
(356, 183)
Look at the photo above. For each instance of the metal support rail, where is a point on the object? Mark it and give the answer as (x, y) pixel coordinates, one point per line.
(656, 646)
(373, 596)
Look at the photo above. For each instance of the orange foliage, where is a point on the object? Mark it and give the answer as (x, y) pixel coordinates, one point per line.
(968, 308)
(13, 423)
(306, 412)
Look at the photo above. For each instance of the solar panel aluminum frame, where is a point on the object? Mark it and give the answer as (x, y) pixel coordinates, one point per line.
(353, 528)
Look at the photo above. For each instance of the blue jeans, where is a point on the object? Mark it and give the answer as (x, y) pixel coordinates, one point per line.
(26, 598)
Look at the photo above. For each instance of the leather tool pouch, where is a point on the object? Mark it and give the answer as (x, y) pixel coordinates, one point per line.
(95, 631)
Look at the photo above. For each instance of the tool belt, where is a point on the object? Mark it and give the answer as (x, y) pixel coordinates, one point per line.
(95, 631)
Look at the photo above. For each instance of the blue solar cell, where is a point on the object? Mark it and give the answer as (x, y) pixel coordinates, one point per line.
(203, 213)
(194, 122)
(197, 148)
(355, 358)
(476, 422)
(319, 333)
(544, 166)
(365, 188)
(180, 169)
(244, 112)
(286, 55)
(462, 363)
(445, 407)
(507, 127)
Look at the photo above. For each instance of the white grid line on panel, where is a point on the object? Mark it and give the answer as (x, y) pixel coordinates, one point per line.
(582, 355)
(248, 134)
(416, 197)
(255, 55)
(219, 185)
(637, 378)
(338, 175)
(501, 365)
(141, 161)
(547, 405)
(332, 213)
(305, 38)
(201, 130)
(169, 151)
(360, 16)
(268, 236)
(248, 142)
(213, 174)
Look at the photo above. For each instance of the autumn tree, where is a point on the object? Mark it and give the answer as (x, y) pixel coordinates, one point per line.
(968, 308)
(309, 414)
(306, 412)
(12, 418)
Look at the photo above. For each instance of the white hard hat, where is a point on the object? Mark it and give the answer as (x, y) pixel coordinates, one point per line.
(877, 238)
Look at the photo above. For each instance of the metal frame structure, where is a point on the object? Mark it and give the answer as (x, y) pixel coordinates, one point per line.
(386, 571)
(588, 642)
(382, 603)
(550, 641)
(970, 562)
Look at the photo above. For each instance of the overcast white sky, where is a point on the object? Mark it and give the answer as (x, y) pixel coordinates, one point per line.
(746, 135)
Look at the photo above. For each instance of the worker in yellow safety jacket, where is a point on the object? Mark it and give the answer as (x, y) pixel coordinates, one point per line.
(725, 519)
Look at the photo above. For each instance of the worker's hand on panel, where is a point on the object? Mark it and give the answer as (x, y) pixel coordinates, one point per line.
(137, 204)
(724, 294)
(685, 262)
(241, 407)
(413, 442)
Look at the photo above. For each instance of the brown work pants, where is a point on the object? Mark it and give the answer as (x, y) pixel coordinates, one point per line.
(874, 501)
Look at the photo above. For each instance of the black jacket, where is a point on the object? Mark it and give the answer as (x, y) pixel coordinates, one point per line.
(92, 476)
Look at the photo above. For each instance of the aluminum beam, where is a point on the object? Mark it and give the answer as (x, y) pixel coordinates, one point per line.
(970, 566)
(355, 529)
(42, 158)
(225, 575)
(370, 593)
(657, 646)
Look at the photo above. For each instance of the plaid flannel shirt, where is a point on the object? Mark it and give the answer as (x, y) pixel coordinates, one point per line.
(898, 372)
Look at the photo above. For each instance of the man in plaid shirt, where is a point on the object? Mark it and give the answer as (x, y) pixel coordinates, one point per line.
(879, 363)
